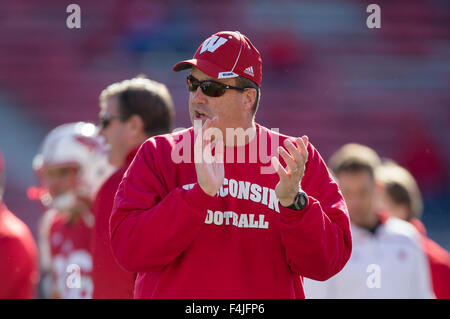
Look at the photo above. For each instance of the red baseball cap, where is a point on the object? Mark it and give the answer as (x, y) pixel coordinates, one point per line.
(226, 54)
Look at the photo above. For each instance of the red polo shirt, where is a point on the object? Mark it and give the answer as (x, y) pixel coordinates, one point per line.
(439, 261)
(110, 280)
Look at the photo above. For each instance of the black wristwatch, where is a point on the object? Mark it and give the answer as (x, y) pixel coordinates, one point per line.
(300, 201)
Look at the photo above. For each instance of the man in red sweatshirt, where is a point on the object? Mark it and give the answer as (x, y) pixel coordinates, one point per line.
(19, 270)
(401, 196)
(131, 112)
(212, 211)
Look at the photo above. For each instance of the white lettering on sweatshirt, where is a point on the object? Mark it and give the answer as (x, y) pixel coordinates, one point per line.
(230, 218)
(246, 191)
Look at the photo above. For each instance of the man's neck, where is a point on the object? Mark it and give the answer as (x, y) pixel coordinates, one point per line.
(118, 157)
(372, 225)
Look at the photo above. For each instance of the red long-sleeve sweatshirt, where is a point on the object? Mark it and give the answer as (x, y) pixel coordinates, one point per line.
(19, 269)
(240, 243)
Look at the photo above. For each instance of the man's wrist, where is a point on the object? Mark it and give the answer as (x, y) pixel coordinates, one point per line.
(285, 202)
(207, 191)
(300, 201)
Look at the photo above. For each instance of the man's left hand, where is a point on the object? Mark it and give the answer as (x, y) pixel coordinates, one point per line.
(291, 175)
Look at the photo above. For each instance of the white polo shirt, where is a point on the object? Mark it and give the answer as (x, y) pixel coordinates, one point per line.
(387, 264)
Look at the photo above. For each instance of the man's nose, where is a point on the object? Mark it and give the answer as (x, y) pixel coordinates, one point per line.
(199, 97)
(53, 184)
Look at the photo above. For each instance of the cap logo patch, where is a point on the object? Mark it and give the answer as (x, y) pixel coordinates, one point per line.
(249, 71)
(226, 75)
(212, 44)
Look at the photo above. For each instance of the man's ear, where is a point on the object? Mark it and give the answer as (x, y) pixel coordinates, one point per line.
(379, 187)
(249, 97)
(136, 125)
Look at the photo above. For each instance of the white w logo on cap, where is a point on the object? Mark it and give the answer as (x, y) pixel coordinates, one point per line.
(212, 44)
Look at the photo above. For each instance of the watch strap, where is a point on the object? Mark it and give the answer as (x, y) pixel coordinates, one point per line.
(300, 201)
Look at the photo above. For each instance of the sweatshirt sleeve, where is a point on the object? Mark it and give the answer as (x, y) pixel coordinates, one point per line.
(317, 239)
(150, 226)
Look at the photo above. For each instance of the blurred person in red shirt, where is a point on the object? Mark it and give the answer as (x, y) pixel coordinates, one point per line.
(401, 196)
(70, 165)
(19, 271)
(131, 112)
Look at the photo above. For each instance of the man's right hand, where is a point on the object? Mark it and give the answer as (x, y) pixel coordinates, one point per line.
(209, 168)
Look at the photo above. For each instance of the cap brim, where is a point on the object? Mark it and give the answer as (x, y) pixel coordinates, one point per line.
(204, 66)
(183, 65)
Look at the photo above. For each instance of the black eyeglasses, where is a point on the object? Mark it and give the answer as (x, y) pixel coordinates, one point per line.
(209, 87)
(105, 120)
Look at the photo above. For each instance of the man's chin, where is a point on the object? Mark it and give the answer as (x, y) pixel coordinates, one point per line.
(357, 221)
(198, 122)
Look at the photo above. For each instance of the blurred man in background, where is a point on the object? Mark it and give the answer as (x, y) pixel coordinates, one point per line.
(131, 112)
(402, 198)
(19, 273)
(71, 165)
(387, 260)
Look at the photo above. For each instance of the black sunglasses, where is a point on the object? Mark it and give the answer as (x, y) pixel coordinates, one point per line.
(105, 120)
(209, 87)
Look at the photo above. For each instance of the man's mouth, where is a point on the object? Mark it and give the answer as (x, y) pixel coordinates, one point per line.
(199, 115)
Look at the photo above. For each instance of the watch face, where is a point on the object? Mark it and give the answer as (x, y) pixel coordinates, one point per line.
(302, 201)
